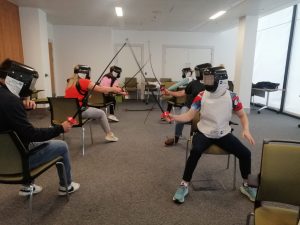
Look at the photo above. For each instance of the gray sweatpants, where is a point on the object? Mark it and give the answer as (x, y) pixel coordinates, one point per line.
(99, 115)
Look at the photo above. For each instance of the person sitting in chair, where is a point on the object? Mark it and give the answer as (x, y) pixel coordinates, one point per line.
(111, 79)
(78, 87)
(191, 91)
(216, 104)
(187, 74)
(16, 83)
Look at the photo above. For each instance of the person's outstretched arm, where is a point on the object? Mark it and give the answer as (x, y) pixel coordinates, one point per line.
(183, 82)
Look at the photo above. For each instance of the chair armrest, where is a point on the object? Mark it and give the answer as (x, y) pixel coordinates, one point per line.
(253, 180)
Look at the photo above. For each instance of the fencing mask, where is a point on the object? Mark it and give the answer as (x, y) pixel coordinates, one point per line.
(19, 78)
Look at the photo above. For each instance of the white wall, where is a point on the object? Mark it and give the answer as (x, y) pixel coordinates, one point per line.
(94, 46)
(223, 44)
(80, 45)
(50, 32)
(35, 45)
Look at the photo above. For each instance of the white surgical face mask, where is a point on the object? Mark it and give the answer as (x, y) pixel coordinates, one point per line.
(115, 74)
(13, 85)
(82, 75)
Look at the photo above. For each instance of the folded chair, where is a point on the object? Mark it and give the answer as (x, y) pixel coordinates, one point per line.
(61, 108)
(14, 164)
(151, 86)
(212, 150)
(278, 196)
(131, 85)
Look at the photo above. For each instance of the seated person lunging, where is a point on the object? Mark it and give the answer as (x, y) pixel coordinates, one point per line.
(216, 104)
(191, 91)
(187, 74)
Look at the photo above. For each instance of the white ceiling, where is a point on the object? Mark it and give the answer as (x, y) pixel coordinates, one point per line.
(158, 15)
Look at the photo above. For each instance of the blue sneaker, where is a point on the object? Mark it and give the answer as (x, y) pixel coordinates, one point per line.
(250, 192)
(181, 192)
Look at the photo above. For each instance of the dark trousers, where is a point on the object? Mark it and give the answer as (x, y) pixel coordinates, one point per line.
(111, 98)
(229, 143)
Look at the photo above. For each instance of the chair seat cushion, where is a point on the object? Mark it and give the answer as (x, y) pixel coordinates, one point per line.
(40, 169)
(216, 150)
(18, 178)
(268, 215)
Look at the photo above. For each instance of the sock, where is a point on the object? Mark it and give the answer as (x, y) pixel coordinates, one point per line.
(245, 184)
(183, 183)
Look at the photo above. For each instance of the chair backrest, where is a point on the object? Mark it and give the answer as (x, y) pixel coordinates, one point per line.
(165, 79)
(180, 100)
(280, 172)
(97, 98)
(150, 79)
(61, 108)
(130, 82)
(168, 84)
(230, 85)
(12, 154)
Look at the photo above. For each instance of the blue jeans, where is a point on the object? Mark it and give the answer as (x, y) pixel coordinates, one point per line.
(48, 150)
(179, 126)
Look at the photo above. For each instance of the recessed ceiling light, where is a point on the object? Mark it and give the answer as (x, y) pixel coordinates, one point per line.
(119, 11)
(218, 14)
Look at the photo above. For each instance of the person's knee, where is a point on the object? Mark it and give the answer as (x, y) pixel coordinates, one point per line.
(101, 114)
(60, 146)
(246, 154)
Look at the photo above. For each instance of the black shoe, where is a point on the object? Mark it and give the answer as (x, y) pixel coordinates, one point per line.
(169, 142)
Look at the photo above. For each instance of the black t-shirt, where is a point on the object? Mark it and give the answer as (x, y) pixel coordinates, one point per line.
(192, 90)
(13, 117)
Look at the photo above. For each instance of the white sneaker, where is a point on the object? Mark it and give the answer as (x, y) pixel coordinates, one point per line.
(25, 190)
(113, 118)
(111, 137)
(72, 188)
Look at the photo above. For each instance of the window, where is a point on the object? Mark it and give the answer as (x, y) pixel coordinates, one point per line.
(292, 98)
(271, 52)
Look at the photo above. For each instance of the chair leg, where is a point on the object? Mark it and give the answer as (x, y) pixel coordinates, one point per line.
(31, 187)
(148, 96)
(228, 161)
(91, 132)
(63, 169)
(234, 173)
(83, 141)
(249, 218)
(187, 150)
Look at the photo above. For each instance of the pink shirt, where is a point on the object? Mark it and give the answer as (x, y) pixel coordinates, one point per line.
(105, 81)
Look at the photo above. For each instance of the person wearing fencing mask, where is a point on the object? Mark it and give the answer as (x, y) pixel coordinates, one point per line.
(186, 72)
(19, 78)
(199, 70)
(191, 91)
(83, 71)
(111, 79)
(216, 105)
(17, 81)
(187, 77)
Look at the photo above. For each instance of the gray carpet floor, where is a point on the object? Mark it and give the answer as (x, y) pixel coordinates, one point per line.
(132, 181)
